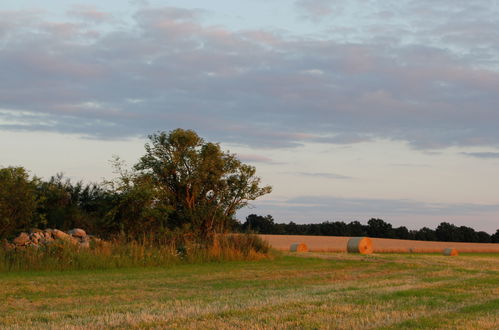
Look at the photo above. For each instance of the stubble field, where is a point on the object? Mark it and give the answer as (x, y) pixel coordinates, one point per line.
(380, 245)
(307, 290)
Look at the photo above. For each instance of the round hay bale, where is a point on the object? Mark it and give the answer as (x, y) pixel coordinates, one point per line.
(361, 245)
(298, 247)
(450, 252)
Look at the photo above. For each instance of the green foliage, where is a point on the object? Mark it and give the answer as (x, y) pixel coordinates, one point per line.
(139, 206)
(379, 228)
(203, 185)
(18, 200)
(65, 205)
(495, 238)
(259, 224)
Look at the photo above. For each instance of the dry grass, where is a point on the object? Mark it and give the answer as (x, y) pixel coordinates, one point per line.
(312, 290)
(380, 245)
(122, 253)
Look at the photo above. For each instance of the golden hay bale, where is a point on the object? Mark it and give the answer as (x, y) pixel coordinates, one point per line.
(361, 245)
(298, 247)
(450, 252)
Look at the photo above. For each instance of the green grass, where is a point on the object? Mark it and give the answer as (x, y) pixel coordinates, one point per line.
(304, 291)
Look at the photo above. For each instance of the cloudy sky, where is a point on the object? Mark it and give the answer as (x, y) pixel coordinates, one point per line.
(349, 109)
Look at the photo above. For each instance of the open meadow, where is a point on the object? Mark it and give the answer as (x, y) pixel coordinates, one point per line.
(304, 290)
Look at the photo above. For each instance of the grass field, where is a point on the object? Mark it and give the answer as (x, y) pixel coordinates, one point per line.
(309, 290)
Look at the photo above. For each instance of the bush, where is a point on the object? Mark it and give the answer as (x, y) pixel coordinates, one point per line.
(125, 252)
(17, 201)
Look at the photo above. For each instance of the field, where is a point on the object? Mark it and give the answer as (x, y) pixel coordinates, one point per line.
(305, 290)
(383, 245)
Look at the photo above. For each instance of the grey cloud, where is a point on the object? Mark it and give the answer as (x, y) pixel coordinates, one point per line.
(387, 206)
(487, 155)
(89, 13)
(316, 9)
(260, 88)
(251, 158)
(325, 175)
(409, 165)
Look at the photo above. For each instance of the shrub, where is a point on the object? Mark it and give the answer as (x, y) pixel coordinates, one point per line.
(124, 252)
(17, 200)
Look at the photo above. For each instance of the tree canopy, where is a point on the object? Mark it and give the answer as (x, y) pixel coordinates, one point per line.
(204, 185)
(18, 199)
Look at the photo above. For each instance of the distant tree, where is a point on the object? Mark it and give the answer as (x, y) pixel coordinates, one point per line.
(425, 234)
(18, 200)
(483, 237)
(495, 237)
(466, 234)
(340, 228)
(355, 228)
(379, 228)
(204, 185)
(447, 232)
(291, 228)
(401, 233)
(259, 224)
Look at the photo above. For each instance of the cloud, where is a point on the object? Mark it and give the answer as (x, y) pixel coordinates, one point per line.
(315, 9)
(416, 82)
(486, 155)
(250, 158)
(373, 206)
(89, 13)
(325, 175)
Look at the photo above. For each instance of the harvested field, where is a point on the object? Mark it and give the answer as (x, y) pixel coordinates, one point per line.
(380, 245)
(293, 291)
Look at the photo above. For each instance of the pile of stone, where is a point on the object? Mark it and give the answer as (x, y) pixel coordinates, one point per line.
(38, 238)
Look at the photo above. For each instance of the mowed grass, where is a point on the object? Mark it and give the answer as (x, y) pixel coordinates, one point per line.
(302, 291)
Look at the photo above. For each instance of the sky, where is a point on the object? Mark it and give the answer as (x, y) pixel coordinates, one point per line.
(349, 109)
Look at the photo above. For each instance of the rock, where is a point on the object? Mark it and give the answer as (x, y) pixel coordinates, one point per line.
(6, 245)
(77, 232)
(40, 238)
(36, 237)
(22, 239)
(74, 240)
(33, 244)
(60, 235)
(47, 233)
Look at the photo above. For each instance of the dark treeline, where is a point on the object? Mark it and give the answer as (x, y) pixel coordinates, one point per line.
(181, 185)
(375, 228)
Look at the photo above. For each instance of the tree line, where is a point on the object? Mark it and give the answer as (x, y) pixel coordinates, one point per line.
(374, 228)
(181, 184)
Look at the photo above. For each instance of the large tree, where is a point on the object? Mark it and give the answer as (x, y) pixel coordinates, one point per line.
(204, 185)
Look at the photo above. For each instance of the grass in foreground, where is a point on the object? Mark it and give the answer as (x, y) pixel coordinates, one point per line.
(312, 290)
(121, 253)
